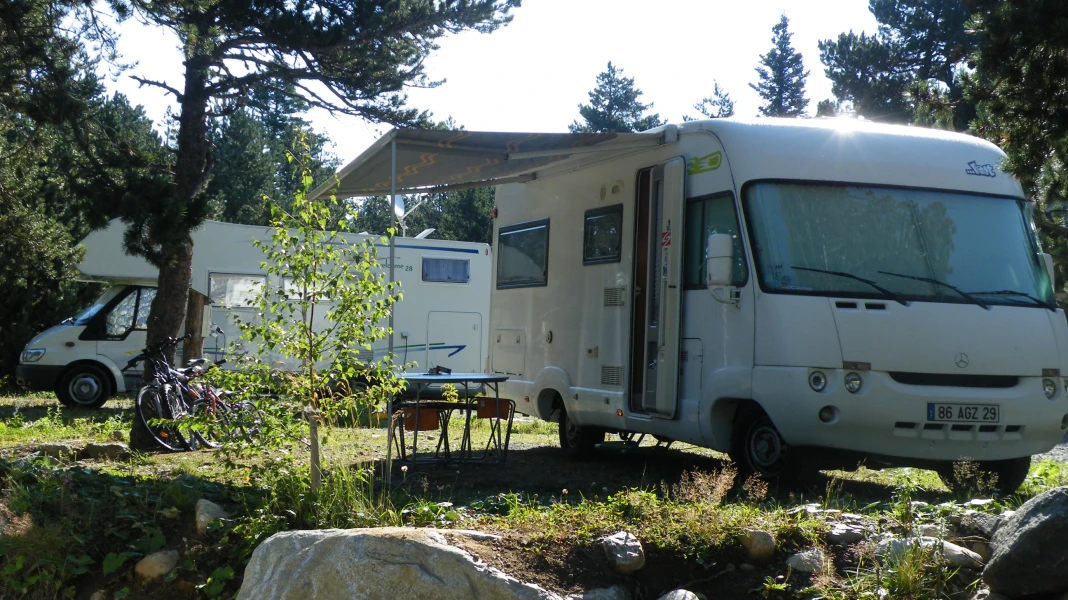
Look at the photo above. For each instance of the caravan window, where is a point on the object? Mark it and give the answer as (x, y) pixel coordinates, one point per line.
(234, 291)
(523, 255)
(446, 270)
(705, 216)
(602, 235)
(144, 306)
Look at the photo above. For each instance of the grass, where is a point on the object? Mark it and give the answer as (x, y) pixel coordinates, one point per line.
(77, 527)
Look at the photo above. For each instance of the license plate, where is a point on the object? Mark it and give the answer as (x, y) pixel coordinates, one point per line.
(964, 413)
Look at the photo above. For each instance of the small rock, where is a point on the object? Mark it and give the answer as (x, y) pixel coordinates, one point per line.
(186, 587)
(979, 502)
(56, 450)
(955, 555)
(99, 595)
(746, 568)
(845, 534)
(759, 544)
(680, 594)
(105, 451)
(117, 435)
(206, 512)
(983, 524)
(624, 552)
(809, 561)
(929, 530)
(156, 565)
(982, 549)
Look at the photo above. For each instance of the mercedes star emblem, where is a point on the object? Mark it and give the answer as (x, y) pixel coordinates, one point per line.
(961, 359)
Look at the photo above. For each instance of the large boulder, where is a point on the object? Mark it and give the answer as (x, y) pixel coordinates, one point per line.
(1029, 548)
(388, 562)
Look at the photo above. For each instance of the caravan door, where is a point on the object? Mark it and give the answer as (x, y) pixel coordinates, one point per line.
(655, 322)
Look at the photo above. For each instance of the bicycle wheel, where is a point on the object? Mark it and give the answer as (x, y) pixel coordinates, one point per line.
(214, 421)
(244, 420)
(160, 412)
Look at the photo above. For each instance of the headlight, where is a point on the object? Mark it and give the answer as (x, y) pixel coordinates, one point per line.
(1049, 388)
(852, 382)
(34, 355)
(817, 381)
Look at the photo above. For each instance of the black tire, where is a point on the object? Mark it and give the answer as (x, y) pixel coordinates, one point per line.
(217, 430)
(84, 386)
(161, 417)
(578, 442)
(1004, 476)
(757, 448)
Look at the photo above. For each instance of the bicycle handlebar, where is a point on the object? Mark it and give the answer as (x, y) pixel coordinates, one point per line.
(157, 348)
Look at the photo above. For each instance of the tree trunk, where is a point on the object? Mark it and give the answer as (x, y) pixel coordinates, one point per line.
(194, 320)
(168, 307)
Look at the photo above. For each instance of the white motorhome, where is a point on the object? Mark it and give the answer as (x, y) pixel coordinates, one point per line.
(439, 322)
(825, 289)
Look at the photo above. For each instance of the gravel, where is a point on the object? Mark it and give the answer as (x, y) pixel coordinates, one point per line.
(1059, 452)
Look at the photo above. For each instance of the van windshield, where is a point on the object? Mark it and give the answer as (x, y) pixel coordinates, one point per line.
(983, 246)
(87, 313)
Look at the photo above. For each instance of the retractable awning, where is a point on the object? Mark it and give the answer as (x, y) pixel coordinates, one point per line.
(440, 160)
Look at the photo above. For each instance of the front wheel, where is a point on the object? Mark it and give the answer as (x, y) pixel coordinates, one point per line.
(578, 442)
(83, 386)
(984, 477)
(757, 448)
(160, 413)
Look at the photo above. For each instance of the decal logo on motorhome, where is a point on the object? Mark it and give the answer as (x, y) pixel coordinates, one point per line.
(665, 238)
(975, 168)
(704, 164)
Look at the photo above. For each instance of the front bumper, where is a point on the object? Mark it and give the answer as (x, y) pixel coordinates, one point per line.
(889, 418)
(38, 377)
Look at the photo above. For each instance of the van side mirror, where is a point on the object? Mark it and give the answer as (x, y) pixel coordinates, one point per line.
(1047, 259)
(719, 266)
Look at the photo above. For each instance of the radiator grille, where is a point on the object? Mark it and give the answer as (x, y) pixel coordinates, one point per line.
(975, 381)
(612, 375)
(615, 296)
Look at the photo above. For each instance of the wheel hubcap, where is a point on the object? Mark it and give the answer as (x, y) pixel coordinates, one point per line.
(85, 389)
(766, 448)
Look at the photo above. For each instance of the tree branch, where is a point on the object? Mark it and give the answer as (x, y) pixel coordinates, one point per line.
(143, 82)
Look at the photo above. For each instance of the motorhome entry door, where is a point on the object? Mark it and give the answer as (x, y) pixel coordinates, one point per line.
(655, 321)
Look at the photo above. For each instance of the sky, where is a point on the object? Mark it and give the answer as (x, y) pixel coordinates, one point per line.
(532, 74)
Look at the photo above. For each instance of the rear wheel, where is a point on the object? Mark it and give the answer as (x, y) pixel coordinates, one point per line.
(578, 442)
(984, 477)
(757, 448)
(161, 413)
(84, 386)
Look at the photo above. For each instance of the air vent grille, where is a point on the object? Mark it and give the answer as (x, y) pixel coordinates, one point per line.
(615, 296)
(612, 375)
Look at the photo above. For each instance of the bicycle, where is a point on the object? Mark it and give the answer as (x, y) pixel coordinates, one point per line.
(171, 405)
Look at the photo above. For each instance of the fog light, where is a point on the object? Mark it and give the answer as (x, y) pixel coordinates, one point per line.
(852, 382)
(828, 414)
(1049, 388)
(817, 381)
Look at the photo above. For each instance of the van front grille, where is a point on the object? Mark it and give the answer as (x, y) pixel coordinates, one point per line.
(971, 381)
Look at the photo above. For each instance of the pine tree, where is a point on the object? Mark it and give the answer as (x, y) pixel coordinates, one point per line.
(717, 106)
(614, 106)
(782, 76)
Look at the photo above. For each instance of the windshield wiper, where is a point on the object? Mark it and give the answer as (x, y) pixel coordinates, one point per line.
(1037, 301)
(892, 295)
(963, 294)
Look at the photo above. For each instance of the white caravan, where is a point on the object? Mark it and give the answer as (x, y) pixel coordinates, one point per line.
(439, 322)
(829, 289)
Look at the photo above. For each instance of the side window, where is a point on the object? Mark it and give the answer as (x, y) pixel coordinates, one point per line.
(523, 255)
(121, 317)
(144, 306)
(602, 235)
(234, 291)
(446, 270)
(705, 216)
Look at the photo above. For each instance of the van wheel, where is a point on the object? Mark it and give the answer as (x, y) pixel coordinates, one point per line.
(1005, 476)
(578, 442)
(84, 386)
(757, 448)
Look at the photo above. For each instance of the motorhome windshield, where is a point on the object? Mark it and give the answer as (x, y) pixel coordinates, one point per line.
(87, 313)
(916, 243)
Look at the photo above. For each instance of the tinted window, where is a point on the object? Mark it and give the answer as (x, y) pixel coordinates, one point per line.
(602, 235)
(446, 270)
(705, 216)
(523, 255)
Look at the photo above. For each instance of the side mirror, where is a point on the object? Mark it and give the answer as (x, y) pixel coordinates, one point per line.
(719, 260)
(1047, 259)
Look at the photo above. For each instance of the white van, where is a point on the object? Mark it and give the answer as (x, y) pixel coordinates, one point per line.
(777, 289)
(439, 322)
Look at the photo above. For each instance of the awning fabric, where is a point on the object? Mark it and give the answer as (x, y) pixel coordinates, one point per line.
(439, 160)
